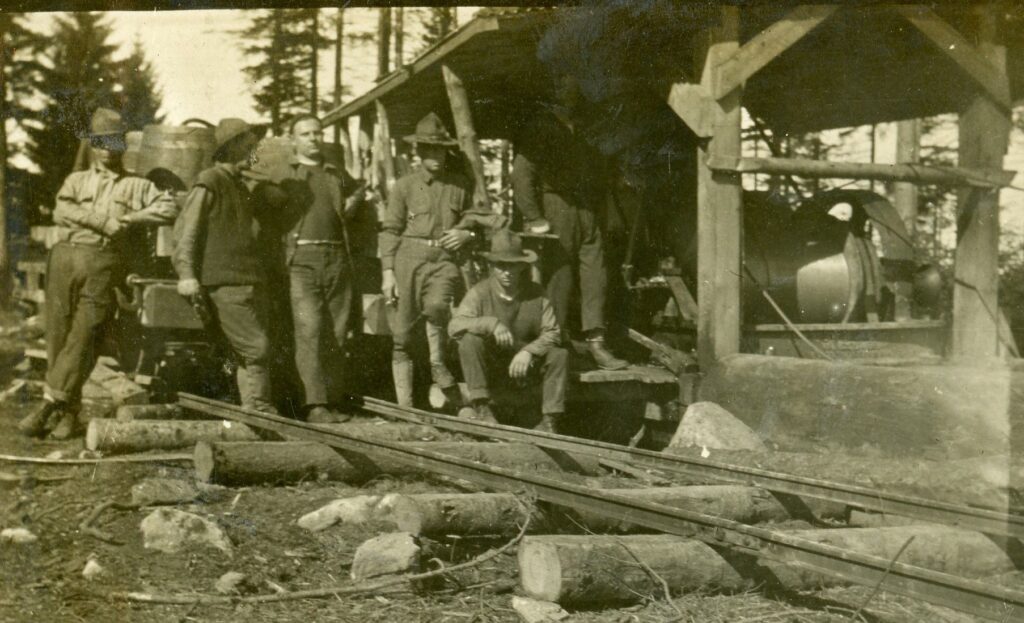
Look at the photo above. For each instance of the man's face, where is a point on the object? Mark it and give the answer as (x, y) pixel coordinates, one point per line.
(107, 150)
(508, 274)
(242, 148)
(307, 136)
(432, 156)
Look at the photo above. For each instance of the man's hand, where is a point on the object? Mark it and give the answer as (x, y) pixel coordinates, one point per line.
(453, 239)
(520, 364)
(188, 287)
(388, 286)
(113, 227)
(128, 219)
(503, 336)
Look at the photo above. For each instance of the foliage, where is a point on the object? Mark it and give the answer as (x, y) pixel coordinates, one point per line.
(21, 69)
(140, 95)
(282, 45)
(437, 23)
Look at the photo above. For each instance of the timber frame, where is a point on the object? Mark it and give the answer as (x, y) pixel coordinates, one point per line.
(734, 56)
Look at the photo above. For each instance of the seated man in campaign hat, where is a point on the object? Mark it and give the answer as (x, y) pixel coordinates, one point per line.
(508, 333)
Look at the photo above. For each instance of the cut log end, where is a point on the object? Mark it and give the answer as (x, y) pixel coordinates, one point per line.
(540, 570)
(203, 460)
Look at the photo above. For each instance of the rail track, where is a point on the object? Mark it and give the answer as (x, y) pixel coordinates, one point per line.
(970, 596)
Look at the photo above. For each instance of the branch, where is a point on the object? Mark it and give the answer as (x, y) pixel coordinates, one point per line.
(317, 593)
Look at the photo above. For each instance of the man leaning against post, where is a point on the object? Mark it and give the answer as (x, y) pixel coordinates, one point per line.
(508, 334)
(218, 253)
(95, 208)
(319, 199)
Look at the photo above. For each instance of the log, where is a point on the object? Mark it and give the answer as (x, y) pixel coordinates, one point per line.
(114, 437)
(132, 413)
(466, 132)
(246, 463)
(943, 410)
(390, 431)
(593, 570)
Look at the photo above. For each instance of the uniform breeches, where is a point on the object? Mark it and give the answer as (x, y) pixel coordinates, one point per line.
(427, 283)
(242, 312)
(79, 300)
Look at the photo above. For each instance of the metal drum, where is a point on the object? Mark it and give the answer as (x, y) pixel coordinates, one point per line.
(172, 156)
(273, 156)
(133, 142)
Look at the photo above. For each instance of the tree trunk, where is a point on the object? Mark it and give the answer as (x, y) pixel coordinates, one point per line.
(114, 437)
(399, 37)
(593, 570)
(466, 132)
(339, 42)
(134, 413)
(275, 63)
(314, 57)
(383, 42)
(287, 462)
(5, 259)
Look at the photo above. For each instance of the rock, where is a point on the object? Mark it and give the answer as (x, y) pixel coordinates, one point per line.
(396, 552)
(707, 425)
(17, 536)
(354, 510)
(157, 491)
(231, 583)
(536, 611)
(56, 455)
(168, 530)
(92, 570)
(90, 454)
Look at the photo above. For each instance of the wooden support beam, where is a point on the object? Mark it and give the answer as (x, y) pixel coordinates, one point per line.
(384, 146)
(984, 136)
(984, 178)
(719, 210)
(767, 45)
(466, 132)
(908, 147)
(985, 70)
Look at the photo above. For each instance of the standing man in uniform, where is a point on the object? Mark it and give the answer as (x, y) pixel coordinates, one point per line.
(508, 334)
(429, 218)
(320, 201)
(219, 254)
(558, 187)
(95, 208)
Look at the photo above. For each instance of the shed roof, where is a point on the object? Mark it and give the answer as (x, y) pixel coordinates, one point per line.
(863, 65)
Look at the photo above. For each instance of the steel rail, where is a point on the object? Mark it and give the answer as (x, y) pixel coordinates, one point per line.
(961, 516)
(970, 596)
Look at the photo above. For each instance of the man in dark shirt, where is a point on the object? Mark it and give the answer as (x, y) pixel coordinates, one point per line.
(429, 217)
(320, 264)
(558, 186)
(219, 252)
(95, 208)
(508, 333)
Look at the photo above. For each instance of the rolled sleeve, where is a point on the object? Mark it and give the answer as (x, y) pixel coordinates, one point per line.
(154, 206)
(193, 222)
(468, 318)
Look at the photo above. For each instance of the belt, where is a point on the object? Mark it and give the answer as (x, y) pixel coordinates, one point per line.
(322, 243)
(430, 242)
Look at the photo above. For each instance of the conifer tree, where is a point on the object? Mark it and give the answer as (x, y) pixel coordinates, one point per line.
(140, 94)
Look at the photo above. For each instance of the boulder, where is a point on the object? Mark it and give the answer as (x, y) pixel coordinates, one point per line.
(17, 536)
(537, 611)
(92, 570)
(161, 491)
(169, 530)
(231, 583)
(359, 509)
(707, 425)
(387, 554)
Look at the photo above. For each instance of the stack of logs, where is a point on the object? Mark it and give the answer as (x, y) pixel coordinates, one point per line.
(570, 557)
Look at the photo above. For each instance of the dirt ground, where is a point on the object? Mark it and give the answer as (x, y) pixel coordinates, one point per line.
(43, 581)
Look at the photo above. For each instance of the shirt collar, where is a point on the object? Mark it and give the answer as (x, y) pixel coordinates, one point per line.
(427, 178)
(500, 292)
(102, 172)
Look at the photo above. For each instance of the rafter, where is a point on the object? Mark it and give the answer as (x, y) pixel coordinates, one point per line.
(767, 45)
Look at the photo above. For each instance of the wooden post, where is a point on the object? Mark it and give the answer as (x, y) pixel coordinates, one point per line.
(720, 210)
(383, 42)
(908, 148)
(354, 144)
(339, 41)
(467, 134)
(984, 136)
(399, 37)
(386, 159)
(5, 260)
(314, 62)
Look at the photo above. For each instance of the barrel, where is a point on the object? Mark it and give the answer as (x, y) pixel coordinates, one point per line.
(273, 156)
(133, 142)
(173, 156)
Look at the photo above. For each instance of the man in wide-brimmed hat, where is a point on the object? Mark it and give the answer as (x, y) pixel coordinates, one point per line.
(219, 255)
(429, 218)
(508, 333)
(95, 208)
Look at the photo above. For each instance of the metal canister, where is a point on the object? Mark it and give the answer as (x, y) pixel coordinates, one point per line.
(172, 156)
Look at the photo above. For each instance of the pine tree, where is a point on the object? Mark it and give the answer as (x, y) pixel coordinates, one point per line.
(81, 74)
(437, 23)
(140, 95)
(284, 47)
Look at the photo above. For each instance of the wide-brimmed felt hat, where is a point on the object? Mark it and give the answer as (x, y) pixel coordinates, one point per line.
(431, 131)
(231, 128)
(105, 122)
(507, 248)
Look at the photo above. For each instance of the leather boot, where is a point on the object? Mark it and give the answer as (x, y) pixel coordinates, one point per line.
(34, 424)
(322, 415)
(402, 373)
(482, 412)
(602, 357)
(439, 372)
(67, 426)
(548, 423)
